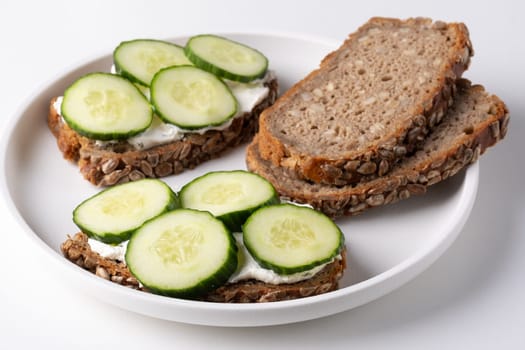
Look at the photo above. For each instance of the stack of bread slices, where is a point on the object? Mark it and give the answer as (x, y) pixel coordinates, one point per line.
(385, 116)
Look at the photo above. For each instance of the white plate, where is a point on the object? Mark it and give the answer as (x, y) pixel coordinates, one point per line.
(387, 246)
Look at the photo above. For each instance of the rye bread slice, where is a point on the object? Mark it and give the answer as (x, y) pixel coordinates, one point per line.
(119, 162)
(78, 250)
(369, 103)
(476, 121)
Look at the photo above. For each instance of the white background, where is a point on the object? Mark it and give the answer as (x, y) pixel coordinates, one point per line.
(471, 298)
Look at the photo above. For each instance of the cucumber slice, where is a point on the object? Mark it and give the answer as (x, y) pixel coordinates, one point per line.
(105, 106)
(191, 98)
(231, 196)
(289, 239)
(113, 214)
(183, 253)
(226, 58)
(139, 60)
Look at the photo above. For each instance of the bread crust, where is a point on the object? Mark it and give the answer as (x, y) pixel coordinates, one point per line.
(120, 162)
(404, 181)
(77, 250)
(378, 159)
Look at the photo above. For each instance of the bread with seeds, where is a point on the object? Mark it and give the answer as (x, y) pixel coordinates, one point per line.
(475, 121)
(110, 163)
(78, 250)
(369, 103)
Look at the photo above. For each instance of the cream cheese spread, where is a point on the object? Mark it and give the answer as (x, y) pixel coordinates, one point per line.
(248, 95)
(248, 267)
(108, 251)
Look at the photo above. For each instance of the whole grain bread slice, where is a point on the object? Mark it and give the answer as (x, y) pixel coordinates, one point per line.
(78, 250)
(369, 103)
(476, 121)
(120, 162)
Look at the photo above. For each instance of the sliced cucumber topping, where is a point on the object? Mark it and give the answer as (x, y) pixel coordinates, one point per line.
(288, 239)
(105, 106)
(139, 60)
(112, 215)
(229, 195)
(191, 98)
(183, 253)
(226, 58)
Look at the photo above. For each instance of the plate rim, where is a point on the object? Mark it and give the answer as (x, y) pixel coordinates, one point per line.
(408, 267)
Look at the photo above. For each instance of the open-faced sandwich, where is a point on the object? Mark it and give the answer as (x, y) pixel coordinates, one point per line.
(225, 237)
(165, 108)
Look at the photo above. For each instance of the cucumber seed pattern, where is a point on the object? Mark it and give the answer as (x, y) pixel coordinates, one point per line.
(155, 59)
(123, 204)
(290, 233)
(231, 54)
(107, 106)
(196, 95)
(222, 193)
(179, 246)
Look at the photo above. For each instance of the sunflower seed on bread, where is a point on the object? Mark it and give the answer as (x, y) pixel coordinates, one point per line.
(78, 250)
(119, 162)
(476, 121)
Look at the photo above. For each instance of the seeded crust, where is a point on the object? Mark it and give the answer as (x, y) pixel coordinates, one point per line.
(119, 163)
(476, 121)
(371, 102)
(77, 250)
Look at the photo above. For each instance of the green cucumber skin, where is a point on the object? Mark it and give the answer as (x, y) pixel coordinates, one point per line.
(130, 77)
(210, 67)
(283, 270)
(127, 75)
(280, 270)
(235, 220)
(184, 126)
(106, 136)
(119, 237)
(216, 280)
(220, 278)
(102, 136)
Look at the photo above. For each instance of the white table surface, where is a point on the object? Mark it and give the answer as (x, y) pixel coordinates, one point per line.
(471, 298)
